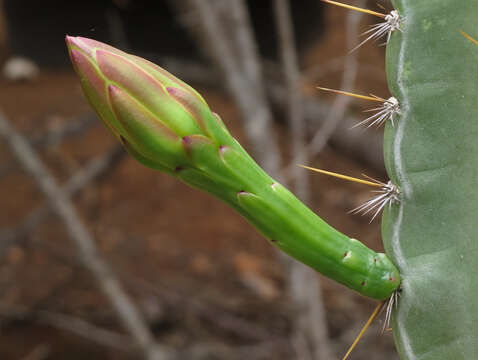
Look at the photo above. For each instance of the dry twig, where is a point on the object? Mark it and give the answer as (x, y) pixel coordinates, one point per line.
(51, 138)
(255, 112)
(310, 321)
(40, 352)
(295, 107)
(94, 169)
(71, 324)
(125, 309)
(349, 76)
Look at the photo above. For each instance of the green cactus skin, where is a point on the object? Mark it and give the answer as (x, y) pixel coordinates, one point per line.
(167, 126)
(432, 155)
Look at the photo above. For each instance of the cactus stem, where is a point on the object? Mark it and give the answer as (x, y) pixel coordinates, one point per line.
(366, 11)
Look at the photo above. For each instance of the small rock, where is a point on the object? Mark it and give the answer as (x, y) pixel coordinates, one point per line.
(19, 68)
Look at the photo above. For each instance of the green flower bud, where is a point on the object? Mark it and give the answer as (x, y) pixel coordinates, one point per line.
(167, 125)
(149, 110)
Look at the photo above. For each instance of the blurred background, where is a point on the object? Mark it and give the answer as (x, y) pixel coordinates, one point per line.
(101, 258)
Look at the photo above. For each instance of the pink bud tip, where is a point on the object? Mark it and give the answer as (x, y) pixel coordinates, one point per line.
(75, 56)
(78, 42)
(88, 46)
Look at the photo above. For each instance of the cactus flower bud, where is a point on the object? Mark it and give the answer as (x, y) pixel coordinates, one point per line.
(144, 106)
(167, 125)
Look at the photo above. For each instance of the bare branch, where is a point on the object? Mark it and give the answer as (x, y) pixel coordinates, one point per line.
(251, 102)
(349, 76)
(72, 128)
(221, 317)
(248, 60)
(363, 146)
(224, 319)
(93, 333)
(125, 309)
(310, 319)
(40, 352)
(94, 169)
(70, 323)
(290, 67)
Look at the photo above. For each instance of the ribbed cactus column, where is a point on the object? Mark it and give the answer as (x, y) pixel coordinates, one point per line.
(432, 155)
